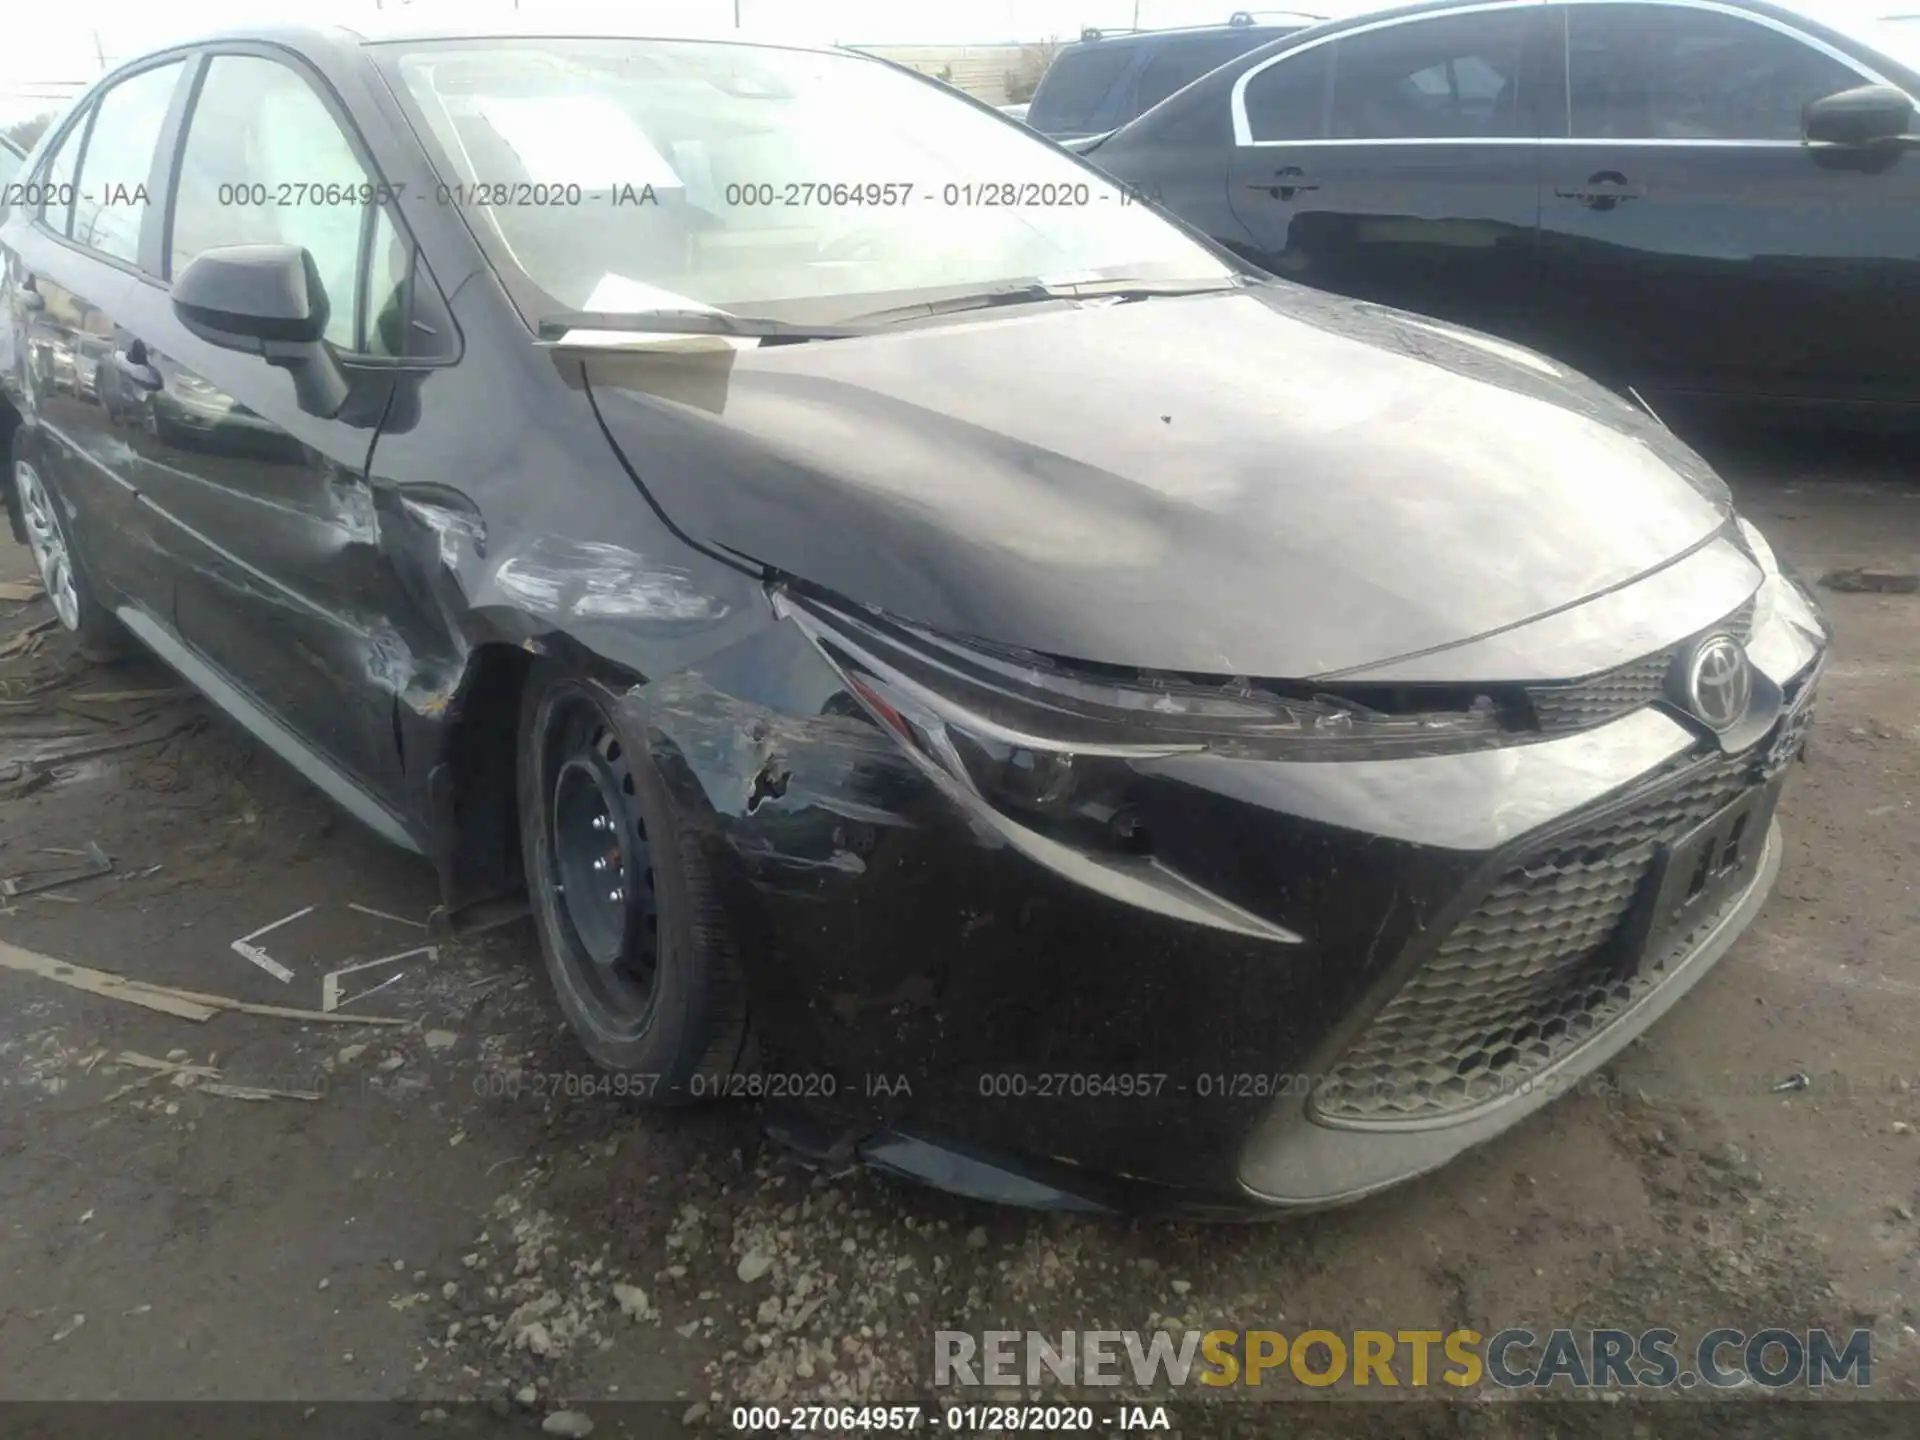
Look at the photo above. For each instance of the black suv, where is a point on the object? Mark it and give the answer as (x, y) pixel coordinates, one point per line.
(1107, 77)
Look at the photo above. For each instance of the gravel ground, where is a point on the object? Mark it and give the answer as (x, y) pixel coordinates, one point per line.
(437, 1227)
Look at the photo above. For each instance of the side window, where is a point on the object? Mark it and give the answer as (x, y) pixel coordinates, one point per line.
(1454, 77)
(111, 199)
(1288, 100)
(1655, 72)
(387, 297)
(1070, 92)
(266, 164)
(58, 174)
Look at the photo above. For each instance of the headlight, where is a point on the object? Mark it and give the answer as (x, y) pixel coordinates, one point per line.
(1757, 544)
(1040, 759)
(1018, 701)
(1781, 595)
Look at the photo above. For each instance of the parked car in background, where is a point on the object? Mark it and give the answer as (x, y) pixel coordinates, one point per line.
(1707, 200)
(1019, 782)
(1106, 77)
(11, 159)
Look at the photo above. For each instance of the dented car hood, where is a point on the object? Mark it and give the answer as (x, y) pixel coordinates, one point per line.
(1271, 482)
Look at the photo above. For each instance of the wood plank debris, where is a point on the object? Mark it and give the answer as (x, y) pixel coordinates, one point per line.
(186, 1004)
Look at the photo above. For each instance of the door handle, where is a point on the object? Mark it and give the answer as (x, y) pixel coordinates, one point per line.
(137, 373)
(1285, 184)
(1603, 191)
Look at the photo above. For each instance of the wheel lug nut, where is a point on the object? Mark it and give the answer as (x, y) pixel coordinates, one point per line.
(616, 896)
(601, 863)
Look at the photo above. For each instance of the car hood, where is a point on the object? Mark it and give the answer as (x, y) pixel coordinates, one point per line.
(1271, 482)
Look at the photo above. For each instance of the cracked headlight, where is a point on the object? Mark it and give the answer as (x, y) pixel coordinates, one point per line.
(1012, 702)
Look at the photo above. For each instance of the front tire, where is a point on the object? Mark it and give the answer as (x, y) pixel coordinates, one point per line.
(630, 925)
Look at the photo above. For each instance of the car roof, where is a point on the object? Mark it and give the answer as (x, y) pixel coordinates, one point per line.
(1862, 23)
(1283, 22)
(428, 25)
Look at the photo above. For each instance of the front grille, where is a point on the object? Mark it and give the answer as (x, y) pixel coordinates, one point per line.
(1529, 975)
(1586, 703)
(1562, 709)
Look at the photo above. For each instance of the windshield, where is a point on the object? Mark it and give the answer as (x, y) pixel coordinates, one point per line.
(1899, 36)
(625, 176)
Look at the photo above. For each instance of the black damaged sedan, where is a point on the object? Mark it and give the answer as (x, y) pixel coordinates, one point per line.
(940, 649)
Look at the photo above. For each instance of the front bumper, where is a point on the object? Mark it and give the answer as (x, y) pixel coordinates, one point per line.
(939, 1002)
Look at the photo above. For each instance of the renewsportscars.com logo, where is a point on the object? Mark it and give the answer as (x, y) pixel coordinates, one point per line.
(1513, 1359)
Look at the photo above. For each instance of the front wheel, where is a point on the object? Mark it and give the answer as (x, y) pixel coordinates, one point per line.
(630, 925)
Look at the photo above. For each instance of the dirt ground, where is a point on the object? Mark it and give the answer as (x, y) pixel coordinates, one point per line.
(390, 1238)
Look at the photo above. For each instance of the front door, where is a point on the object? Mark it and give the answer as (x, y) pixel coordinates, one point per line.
(291, 597)
(1692, 244)
(1399, 162)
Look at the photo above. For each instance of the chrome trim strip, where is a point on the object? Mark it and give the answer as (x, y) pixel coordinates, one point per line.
(1237, 103)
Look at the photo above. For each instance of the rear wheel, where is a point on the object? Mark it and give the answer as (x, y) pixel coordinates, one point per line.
(48, 537)
(630, 925)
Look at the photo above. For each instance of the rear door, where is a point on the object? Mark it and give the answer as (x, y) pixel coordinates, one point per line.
(72, 274)
(289, 594)
(1693, 244)
(1398, 161)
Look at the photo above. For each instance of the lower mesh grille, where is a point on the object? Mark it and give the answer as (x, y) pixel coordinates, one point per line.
(1529, 975)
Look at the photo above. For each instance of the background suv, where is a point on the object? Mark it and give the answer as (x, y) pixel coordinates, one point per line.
(1105, 78)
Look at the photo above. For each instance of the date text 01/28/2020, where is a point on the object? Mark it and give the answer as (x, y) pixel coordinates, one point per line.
(957, 1419)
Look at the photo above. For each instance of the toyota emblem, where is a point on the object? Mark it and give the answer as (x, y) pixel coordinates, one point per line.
(1719, 686)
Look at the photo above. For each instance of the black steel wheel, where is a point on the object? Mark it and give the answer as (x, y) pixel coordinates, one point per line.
(633, 937)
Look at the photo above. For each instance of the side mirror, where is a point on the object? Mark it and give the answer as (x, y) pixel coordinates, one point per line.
(265, 300)
(1865, 115)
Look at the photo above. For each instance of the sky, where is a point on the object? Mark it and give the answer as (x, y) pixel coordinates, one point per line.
(48, 52)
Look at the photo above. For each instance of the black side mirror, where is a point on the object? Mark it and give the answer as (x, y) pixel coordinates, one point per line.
(1865, 115)
(265, 300)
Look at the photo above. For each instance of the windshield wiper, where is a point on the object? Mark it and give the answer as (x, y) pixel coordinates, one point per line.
(554, 329)
(1037, 291)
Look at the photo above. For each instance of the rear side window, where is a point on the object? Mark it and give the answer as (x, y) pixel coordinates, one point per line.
(58, 174)
(1288, 99)
(1457, 76)
(1071, 91)
(111, 198)
(1657, 72)
(1178, 63)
